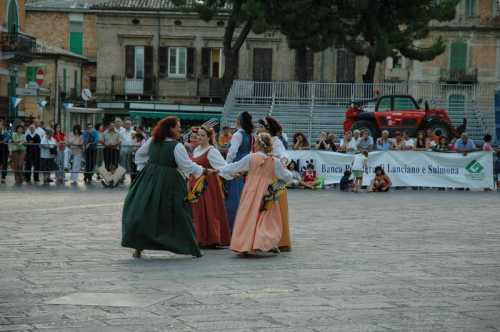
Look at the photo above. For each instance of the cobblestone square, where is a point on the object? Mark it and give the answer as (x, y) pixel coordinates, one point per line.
(402, 261)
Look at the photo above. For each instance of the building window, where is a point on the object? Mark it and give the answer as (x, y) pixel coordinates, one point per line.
(212, 62)
(177, 59)
(13, 18)
(458, 57)
(139, 63)
(470, 8)
(134, 62)
(76, 33)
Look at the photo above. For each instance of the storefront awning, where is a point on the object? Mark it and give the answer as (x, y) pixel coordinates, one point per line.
(180, 115)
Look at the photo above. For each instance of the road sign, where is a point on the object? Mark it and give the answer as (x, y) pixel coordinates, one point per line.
(86, 94)
(40, 76)
(23, 92)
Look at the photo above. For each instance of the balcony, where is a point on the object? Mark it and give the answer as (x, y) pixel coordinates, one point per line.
(17, 48)
(116, 87)
(134, 87)
(453, 76)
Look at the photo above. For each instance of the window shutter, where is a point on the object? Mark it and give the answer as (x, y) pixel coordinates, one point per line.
(470, 8)
(310, 65)
(76, 42)
(163, 61)
(458, 57)
(65, 86)
(190, 62)
(148, 69)
(205, 61)
(31, 74)
(129, 61)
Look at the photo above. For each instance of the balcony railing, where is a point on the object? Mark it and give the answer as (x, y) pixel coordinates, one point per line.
(17, 48)
(134, 86)
(117, 87)
(468, 76)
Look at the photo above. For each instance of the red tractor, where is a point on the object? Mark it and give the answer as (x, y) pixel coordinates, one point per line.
(399, 113)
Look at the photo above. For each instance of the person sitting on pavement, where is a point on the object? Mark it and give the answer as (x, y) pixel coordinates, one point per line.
(465, 144)
(381, 182)
(346, 182)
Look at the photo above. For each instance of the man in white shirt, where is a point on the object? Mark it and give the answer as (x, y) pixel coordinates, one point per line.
(38, 129)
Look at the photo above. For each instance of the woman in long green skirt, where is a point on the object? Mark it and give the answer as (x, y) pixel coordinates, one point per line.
(156, 215)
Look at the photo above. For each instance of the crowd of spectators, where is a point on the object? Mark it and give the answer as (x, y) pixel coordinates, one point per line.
(37, 153)
(358, 141)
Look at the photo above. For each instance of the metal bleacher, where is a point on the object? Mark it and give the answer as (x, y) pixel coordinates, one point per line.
(313, 107)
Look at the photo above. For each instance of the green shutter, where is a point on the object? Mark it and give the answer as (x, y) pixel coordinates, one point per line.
(76, 42)
(470, 8)
(13, 18)
(458, 57)
(31, 74)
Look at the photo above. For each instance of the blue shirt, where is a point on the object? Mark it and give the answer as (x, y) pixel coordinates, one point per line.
(469, 146)
(383, 145)
(90, 138)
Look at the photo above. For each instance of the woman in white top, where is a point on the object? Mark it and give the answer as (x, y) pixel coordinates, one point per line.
(274, 128)
(156, 215)
(258, 227)
(48, 152)
(75, 144)
(209, 212)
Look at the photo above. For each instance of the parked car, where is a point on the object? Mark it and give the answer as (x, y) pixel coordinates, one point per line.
(399, 113)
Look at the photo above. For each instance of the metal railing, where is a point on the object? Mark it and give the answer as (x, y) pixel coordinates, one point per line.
(17, 47)
(314, 107)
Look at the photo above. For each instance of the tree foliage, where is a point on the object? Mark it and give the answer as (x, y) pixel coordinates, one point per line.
(242, 17)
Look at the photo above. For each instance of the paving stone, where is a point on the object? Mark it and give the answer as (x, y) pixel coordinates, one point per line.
(109, 299)
(395, 262)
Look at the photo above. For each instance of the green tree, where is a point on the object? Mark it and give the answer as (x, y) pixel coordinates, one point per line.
(308, 26)
(379, 29)
(242, 17)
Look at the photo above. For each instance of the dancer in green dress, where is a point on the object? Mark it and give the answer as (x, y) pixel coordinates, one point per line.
(156, 215)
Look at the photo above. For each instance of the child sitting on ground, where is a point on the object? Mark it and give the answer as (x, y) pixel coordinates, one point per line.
(346, 183)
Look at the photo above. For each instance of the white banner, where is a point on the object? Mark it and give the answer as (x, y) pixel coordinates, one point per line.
(408, 168)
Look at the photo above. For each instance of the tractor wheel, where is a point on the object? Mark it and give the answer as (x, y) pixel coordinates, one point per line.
(366, 125)
(440, 126)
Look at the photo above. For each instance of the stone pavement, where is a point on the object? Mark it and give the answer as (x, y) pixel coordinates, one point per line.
(403, 261)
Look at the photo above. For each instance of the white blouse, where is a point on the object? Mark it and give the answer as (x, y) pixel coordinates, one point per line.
(243, 165)
(214, 157)
(279, 150)
(236, 141)
(184, 164)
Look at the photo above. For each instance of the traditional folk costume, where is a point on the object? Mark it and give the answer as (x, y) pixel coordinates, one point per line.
(241, 146)
(279, 152)
(258, 224)
(156, 214)
(209, 213)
